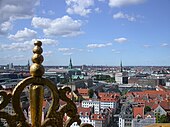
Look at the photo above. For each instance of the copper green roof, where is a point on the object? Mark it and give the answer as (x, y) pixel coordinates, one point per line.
(77, 76)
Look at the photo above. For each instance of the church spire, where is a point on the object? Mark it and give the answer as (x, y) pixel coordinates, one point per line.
(28, 65)
(121, 67)
(70, 65)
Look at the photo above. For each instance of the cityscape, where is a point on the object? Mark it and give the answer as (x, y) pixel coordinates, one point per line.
(106, 96)
(113, 55)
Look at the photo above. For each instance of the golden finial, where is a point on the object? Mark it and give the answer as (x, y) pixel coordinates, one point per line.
(36, 69)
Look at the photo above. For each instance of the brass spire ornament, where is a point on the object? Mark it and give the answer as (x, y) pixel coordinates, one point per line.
(56, 112)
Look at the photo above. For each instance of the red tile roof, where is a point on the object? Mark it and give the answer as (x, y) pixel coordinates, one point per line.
(138, 111)
(84, 111)
(98, 117)
(108, 99)
(165, 104)
(152, 98)
(113, 95)
(83, 91)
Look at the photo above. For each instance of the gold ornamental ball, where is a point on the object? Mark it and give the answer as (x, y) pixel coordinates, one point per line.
(38, 43)
(37, 50)
(37, 70)
(37, 58)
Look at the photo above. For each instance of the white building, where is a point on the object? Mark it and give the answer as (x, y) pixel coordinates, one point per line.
(108, 104)
(121, 77)
(109, 100)
(93, 104)
(121, 122)
(85, 116)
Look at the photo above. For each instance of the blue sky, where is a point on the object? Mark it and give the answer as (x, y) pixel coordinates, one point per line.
(98, 32)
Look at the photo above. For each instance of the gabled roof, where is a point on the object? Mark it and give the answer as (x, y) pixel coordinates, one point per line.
(138, 112)
(154, 106)
(165, 104)
(107, 99)
(113, 95)
(98, 117)
(83, 91)
(84, 111)
(77, 77)
(151, 97)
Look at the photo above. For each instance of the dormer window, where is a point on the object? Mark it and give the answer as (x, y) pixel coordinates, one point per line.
(81, 113)
(98, 117)
(92, 116)
(86, 113)
(138, 116)
(149, 116)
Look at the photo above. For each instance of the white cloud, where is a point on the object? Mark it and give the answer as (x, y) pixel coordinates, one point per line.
(120, 3)
(89, 50)
(97, 10)
(49, 12)
(98, 45)
(10, 58)
(15, 9)
(64, 26)
(147, 46)
(48, 53)
(26, 45)
(69, 51)
(115, 51)
(80, 7)
(121, 15)
(41, 22)
(19, 57)
(46, 41)
(65, 49)
(22, 35)
(68, 54)
(4, 27)
(120, 40)
(164, 44)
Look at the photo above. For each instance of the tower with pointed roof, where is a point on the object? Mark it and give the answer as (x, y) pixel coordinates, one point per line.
(74, 73)
(70, 65)
(121, 77)
(28, 65)
(121, 67)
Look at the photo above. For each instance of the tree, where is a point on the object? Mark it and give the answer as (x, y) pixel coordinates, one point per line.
(147, 109)
(157, 117)
(163, 119)
(124, 92)
(90, 93)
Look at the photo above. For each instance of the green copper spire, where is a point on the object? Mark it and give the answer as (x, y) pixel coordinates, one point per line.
(70, 65)
(121, 67)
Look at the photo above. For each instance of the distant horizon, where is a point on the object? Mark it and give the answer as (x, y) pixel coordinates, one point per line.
(94, 65)
(98, 32)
